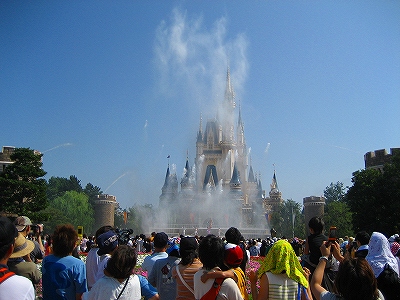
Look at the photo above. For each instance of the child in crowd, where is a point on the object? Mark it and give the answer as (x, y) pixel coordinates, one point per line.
(233, 257)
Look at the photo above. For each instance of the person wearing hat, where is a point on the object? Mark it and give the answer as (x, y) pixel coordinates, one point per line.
(161, 273)
(23, 225)
(17, 262)
(233, 257)
(187, 267)
(160, 242)
(64, 276)
(93, 259)
(12, 286)
(107, 243)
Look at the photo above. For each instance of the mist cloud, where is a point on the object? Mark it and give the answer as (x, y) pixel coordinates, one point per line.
(193, 59)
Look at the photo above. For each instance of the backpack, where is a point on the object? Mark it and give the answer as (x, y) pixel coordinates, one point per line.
(5, 274)
(214, 290)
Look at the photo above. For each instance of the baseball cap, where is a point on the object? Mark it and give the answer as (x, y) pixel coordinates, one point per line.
(21, 222)
(233, 255)
(160, 240)
(107, 242)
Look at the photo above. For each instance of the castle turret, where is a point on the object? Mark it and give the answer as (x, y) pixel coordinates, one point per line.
(104, 208)
(313, 207)
(169, 189)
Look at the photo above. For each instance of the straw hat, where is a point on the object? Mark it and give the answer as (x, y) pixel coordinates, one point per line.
(22, 246)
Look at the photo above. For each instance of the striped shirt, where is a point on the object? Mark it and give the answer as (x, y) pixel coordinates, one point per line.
(281, 287)
(187, 273)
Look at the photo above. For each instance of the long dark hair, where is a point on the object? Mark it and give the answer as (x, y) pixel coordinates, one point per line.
(356, 280)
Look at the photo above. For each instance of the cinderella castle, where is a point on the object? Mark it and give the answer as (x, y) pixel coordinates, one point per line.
(220, 189)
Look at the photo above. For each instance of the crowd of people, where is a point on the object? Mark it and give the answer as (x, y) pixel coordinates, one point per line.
(193, 267)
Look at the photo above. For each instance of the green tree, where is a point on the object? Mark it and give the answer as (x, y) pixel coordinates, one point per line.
(282, 219)
(73, 208)
(334, 192)
(92, 191)
(337, 211)
(22, 188)
(57, 186)
(374, 198)
(338, 214)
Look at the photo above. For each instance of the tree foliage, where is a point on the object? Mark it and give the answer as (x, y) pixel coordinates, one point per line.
(92, 191)
(73, 208)
(22, 188)
(334, 192)
(338, 214)
(282, 220)
(337, 211)
(57, 186)
(374, 198)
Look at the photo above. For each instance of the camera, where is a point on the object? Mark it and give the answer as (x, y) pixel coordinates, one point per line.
(37, 228)
(123, 236)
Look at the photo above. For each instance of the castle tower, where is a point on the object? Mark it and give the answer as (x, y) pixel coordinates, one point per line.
(104, 208)
(377, 159)
(313, 207)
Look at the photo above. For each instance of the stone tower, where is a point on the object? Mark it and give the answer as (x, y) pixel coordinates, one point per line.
(104, 208)
(313, 207)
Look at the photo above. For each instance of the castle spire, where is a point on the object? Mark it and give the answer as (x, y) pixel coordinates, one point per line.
(229, 92)
(200, 132)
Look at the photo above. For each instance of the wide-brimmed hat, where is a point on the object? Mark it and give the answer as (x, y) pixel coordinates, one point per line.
(22, 246)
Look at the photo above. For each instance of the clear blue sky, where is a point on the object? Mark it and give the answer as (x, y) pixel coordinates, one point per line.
(108, 89)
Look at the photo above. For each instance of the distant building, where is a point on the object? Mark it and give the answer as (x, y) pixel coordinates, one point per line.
(313, 207)
(5, 159)
(104, 208)
(220, 190)
(377, 159)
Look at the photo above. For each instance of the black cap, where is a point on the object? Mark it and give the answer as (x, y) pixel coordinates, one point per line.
(160, 240)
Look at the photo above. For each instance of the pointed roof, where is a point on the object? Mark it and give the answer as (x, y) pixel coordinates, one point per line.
(229, 92)
(166, 177)
(200, 132)
(210, 176)
(251, 175)
(235, 180)
(274, 185)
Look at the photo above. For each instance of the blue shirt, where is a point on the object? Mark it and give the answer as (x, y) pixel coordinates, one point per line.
(148, 291)
(63, 277)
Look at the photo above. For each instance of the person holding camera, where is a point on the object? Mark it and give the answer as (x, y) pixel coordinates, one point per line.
(24, 226)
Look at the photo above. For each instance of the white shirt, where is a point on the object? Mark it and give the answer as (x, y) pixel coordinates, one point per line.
(17, 288)
(102, 265)
(92, 265)
(109, 288)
